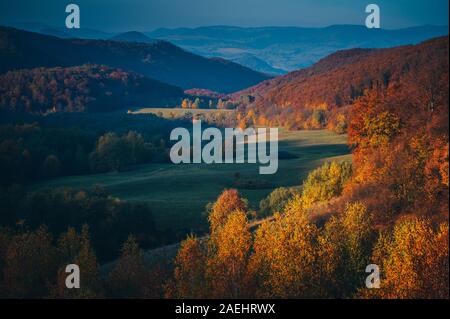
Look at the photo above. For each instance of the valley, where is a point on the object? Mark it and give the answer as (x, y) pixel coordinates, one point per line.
(177, 194)
(356, 172)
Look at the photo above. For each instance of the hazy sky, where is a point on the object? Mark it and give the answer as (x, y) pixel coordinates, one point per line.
(146, 15)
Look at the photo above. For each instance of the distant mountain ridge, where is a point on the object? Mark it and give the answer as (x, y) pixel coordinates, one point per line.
(290, 48)
(270, 50)
(160, 60)
(133, 36)
(61, 32)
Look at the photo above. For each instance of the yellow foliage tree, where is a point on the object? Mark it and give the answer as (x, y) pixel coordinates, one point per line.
(325, 182)
(229, 201)
(189, 275)
(228, 257)
(345, 246)
(414, 261)
(284, 258)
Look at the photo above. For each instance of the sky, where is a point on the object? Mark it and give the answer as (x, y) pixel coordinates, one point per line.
(147, 15)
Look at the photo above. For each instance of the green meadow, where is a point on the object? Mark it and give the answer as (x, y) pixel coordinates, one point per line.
(178, 194)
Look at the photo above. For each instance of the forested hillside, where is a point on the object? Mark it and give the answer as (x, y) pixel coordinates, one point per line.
(91, 88)
(390, 208)
(319, 96)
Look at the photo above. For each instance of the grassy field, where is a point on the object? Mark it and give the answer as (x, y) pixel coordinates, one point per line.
(178, 194)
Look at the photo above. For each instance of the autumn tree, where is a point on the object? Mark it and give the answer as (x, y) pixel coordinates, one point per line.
(284, 261)
(74, 248)
(414, 261)
(185, 104)
(30, 265)
(229, 201)
(436, 172)
(130, 276)
(325, 182)
(345, 246)
(189, 276)
(228, 254)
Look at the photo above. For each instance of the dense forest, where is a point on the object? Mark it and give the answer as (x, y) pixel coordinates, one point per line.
(91, 88)
(36, 148)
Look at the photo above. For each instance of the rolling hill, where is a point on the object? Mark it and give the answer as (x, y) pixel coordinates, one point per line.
(90, 88)
(339, 79)
(161, 60)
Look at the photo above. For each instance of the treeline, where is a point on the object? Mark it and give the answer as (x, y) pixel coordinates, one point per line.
(91, 88)
(205, 99)
(114, 153)
(223, 118)
(317, 118)
(32, 152)
(34, 147)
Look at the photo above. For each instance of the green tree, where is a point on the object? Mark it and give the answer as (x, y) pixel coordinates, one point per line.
(276, 201)
(325, 182)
